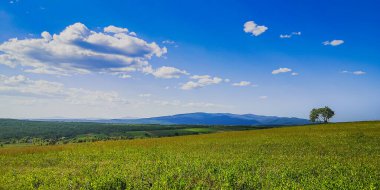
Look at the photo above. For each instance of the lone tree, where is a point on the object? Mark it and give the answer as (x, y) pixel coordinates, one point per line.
(321, 115)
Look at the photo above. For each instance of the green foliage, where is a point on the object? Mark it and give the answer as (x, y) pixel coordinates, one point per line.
(321, 114)
(332, 156)
(48, 133)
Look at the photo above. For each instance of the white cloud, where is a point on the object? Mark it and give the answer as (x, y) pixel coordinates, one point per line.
(294, 74)
(296, 33)
(333, 42)
(125, 76)
(254, 29)
(46, 35)
(200, 77)
(354, 72)
(20, 85)
(290, 35)
(201, 81)
(281, 70)
(178, 103)
(79, 50)
(165, 72)
(263, 97)
(168, 42)
(285, 36)
(359, 73)
(114, 29)
(242, 83)
(145, 95)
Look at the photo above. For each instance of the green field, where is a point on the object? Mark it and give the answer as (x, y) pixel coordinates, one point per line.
(331, 156)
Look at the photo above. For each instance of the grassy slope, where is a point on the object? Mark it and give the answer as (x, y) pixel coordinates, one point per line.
(334, 156)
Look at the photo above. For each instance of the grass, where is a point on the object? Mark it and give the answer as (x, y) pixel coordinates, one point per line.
(333, 156)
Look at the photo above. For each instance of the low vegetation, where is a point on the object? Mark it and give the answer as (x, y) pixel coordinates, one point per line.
(328, 156)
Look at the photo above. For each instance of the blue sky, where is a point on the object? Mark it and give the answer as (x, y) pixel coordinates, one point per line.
(112, 59)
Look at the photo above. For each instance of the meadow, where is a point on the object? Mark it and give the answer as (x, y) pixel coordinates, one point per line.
(329, 156)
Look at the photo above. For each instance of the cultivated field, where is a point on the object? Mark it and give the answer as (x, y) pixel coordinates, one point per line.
(332, 156)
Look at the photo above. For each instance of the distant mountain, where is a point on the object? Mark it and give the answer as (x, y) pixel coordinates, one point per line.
(200, 118)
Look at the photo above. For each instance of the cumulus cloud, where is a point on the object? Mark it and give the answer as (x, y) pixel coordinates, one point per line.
(294, 74)
(242, 83)
(79, 50)
(281, 70)
(20, 85)
(114, 29)
(165, 72)
(333, 42)
(201, 81)
(254, 29)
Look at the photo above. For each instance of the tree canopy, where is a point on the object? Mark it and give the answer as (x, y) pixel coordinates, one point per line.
(321, 114)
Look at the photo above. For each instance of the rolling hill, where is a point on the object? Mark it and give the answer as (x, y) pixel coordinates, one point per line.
(327, 156)
(200, 118)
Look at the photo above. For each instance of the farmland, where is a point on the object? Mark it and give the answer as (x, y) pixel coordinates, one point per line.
(331, 156)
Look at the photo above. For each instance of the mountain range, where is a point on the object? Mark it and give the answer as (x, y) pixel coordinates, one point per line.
(200, 118)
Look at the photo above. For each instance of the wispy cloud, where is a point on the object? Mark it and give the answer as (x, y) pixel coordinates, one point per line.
(263, 97)
(13, 1)
(285, 36)
(354, 72)
(145, 95)
(333, 43)
(165, 72)
(168, 42)
(242, 83)
(290, 35)
(359, 73)
(200, 81)
(20, 85)
(281, 70)
(296, 33)
(125, 76)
